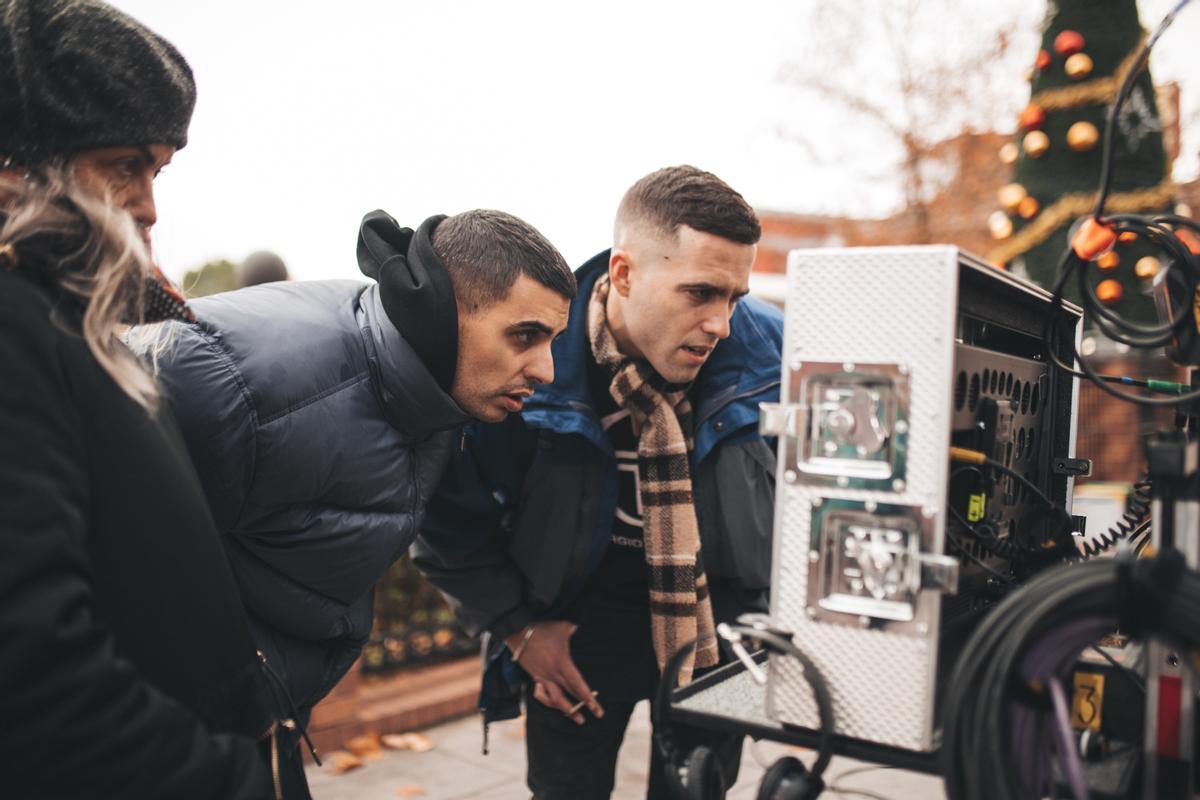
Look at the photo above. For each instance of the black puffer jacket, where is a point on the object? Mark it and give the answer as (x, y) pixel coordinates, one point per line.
(319, 432)
(126, 665)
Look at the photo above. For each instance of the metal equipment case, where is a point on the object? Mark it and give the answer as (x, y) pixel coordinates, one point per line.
(891, 355)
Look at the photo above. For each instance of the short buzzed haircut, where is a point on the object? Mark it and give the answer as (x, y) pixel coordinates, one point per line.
(685, 195)
(485, 251)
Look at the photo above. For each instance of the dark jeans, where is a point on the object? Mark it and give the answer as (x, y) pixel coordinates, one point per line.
(578, 762)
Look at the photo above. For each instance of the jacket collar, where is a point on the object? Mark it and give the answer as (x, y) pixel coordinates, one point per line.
(740, 365)
(411, 397)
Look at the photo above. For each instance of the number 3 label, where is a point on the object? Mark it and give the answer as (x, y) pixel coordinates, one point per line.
(1088, 701)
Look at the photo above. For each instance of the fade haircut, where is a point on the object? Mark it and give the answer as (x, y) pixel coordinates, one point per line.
(685, 195)
(486, 251)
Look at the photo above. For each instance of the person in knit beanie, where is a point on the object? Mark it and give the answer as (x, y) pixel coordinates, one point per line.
(127, 667)
(78, 75)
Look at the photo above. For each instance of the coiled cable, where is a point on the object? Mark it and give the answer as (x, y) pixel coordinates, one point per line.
(1137, 508)
(1003, 710)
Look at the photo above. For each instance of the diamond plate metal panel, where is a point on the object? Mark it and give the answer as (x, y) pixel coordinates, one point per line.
(893, 305)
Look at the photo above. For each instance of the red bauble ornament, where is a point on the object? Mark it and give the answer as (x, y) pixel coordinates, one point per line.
(1068, 43)
(1043, 60)
(1032, 118)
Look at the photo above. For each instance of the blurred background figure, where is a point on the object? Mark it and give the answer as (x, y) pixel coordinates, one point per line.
(262, 267)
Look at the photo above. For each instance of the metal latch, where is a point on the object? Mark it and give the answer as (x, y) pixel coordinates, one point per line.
(939, 573)
(777, 419)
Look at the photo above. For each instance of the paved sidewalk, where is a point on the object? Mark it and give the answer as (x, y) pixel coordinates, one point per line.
(455, 769)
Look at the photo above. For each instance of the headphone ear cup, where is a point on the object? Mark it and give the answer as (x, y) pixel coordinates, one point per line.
(786, 779)
(704, 778)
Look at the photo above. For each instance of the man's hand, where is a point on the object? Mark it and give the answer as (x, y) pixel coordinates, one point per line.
(547, 658)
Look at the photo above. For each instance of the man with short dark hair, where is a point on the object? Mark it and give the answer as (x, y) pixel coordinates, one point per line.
(320, 415)
(628, 509)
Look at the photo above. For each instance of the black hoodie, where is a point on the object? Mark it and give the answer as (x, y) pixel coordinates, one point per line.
(414, 287)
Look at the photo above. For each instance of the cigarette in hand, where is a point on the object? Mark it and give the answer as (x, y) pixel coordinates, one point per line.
(575, 709)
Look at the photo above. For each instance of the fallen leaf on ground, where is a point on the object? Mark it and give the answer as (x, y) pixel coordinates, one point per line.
(365, 746)
(417, 742)
(340, 761)
(410, 790)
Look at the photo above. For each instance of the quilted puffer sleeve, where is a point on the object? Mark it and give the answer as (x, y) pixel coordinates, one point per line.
(215, 411)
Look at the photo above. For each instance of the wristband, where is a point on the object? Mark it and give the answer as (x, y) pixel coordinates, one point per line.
(516, 654)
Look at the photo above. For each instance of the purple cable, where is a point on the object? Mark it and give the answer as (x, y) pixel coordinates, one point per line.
(1068, 754)
(1050, 661)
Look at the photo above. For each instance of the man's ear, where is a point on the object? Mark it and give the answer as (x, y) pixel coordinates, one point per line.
(619, 268)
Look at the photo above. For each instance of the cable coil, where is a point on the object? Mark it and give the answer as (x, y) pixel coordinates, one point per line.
(1131, 527)
(1006, 706)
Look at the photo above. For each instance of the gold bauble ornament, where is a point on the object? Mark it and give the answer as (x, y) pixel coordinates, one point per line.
(1036, 143)
(1082, 136)
(1146, 267)
(1011, 195)
(1109, 292)
(1000, 225)
(1108, 261)
(1078, 66)
(1009, 153)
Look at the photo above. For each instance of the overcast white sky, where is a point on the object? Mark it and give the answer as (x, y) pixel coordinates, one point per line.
(312, 113)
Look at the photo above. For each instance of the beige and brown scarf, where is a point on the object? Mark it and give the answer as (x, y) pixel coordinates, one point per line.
(662, 417)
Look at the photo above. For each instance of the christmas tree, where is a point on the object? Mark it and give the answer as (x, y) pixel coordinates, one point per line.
(1088, 48)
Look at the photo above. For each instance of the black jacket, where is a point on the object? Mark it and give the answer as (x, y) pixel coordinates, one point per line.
(524, 513)
(317, 417)
(126, 664)
(318, 434)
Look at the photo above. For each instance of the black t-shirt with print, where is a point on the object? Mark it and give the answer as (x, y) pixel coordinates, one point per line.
(622, 579)
(612, 646)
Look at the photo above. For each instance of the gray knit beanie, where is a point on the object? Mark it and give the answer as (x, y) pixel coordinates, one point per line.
(78, 74)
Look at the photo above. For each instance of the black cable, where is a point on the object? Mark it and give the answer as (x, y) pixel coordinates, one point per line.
(1121, 669)
(660, 708)
(1126, 87)
(816, 682)
(998, 727)
(1137, 508)
(1158, 230)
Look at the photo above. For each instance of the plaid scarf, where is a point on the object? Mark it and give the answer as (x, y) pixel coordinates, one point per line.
(680, 610)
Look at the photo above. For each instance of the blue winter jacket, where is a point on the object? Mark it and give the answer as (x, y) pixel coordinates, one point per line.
(525, 510)
(318, 435)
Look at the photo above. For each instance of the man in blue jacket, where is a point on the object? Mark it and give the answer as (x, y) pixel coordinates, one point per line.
(320, 415)
(629, 508)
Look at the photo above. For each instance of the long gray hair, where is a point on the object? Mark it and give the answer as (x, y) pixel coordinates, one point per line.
(106, 264)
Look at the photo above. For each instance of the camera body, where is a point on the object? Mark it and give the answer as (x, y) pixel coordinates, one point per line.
(891, 356)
